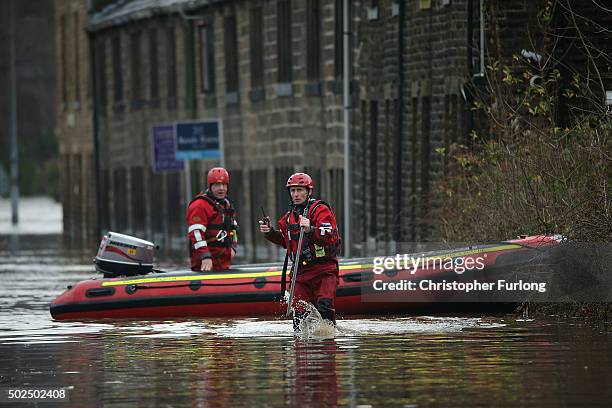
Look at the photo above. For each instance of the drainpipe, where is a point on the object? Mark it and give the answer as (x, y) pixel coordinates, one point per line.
(470, 72)
(347, 129)
(190, 81)
(481, 74)
(397, 182)
(13, 119)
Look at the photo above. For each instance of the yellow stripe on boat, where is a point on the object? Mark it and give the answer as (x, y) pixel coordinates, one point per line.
(278, 272)
(206, 277)
(475, 251)
(192, 278)
(467, 252)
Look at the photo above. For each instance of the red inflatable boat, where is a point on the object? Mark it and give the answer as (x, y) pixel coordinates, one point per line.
(254, 290)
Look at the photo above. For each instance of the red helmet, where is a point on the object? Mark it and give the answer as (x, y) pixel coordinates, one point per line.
(218, 175)
(300, 180)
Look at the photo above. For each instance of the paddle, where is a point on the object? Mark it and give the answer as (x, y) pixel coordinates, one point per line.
(284, 277)
(296, 264)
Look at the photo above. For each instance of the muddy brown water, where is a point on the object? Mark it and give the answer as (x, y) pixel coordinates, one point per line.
(377, 361)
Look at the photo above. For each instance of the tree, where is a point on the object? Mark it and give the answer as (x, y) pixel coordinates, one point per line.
(543, 161)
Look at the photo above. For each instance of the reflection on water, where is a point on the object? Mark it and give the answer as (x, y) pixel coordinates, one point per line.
(406, 361)
(201, 363)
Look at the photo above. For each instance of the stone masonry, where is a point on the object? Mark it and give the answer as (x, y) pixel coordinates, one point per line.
(74, 123)
(410, 76)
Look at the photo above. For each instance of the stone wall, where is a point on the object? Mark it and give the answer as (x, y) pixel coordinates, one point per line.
(74, 123)
(285, 128)
(410, 71)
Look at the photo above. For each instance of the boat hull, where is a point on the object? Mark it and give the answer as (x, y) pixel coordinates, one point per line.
(254, 290)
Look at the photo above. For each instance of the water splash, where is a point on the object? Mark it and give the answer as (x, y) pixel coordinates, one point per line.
(313, 326)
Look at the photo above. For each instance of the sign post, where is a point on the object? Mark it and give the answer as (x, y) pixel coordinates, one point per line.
(163, 149)
(200, 139)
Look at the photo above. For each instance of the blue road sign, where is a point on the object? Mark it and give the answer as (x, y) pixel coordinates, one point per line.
(164, 149)
(199, 139)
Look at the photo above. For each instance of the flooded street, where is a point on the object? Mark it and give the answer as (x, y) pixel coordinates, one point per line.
(385, 361)
(376, 361)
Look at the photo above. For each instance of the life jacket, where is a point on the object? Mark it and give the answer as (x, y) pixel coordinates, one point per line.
(221, 230)
(311, 252)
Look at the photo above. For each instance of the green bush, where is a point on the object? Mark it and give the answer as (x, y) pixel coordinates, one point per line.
(543, 163)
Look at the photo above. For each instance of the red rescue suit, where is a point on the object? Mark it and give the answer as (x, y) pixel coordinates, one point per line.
(212, 231)
(317, 277)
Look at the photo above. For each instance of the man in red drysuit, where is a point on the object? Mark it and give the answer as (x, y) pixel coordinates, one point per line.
(317, 277)
(212, 226)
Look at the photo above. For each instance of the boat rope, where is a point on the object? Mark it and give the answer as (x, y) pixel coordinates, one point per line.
(198, 283)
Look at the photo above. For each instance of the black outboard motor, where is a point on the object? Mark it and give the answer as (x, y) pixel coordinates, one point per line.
(123, 255)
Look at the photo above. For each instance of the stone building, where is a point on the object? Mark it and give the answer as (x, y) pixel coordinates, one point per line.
(415, 63)
(74, 123)
(244, 62)
(271, 70)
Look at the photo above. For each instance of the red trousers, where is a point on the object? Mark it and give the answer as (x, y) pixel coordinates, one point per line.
(220, 262)
(320, 291)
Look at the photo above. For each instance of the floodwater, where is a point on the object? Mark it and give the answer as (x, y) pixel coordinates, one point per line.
(375, 361)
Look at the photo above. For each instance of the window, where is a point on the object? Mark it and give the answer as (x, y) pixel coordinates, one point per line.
(104, 195)
(256, 48)
(135, 67)
(231, 55)
(258, 183)
(171, 66)
(388, 170)
(101, 74)
(413, 166)
(372, 10)
(207, 58)
(139, 208)
(336, 196)
(425, 160)
(315, 174)
(447, 131)
(120, 199)
(77, 84)
(373, 167)
(397, 188)
(235, 188)
(455, 118)
(313, 45)
(363, 171)
(63, 58)
(175, 205)
(283, 38)
(338, 39)
(189, 50)
(281, 174)
(425, 137)
(117, 74)
(76, 192)
(156, 194)
(67, 191)
(153, 65)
